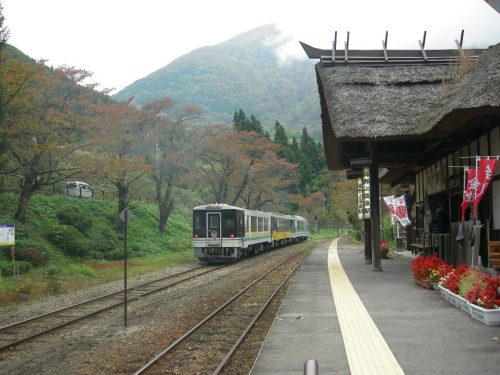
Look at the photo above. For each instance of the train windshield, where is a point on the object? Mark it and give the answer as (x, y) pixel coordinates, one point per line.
(231, 225)
(199, 224)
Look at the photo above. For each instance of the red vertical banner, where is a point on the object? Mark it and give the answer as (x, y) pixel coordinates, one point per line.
(485, 172)
(470, 190)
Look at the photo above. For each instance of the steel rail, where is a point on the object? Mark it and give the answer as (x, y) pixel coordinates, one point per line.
(71, 321)
(89, 301)
(158, 356)
(252, 323)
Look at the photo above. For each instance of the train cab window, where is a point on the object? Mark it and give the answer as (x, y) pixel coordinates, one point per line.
(230, 223)
(199, 224)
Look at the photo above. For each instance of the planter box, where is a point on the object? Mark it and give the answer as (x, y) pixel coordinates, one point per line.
(487, 316)
(490, 317)
(449, 296)
(463, 304)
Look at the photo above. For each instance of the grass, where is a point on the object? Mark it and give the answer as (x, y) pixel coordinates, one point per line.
(66, 278)
(60, 272)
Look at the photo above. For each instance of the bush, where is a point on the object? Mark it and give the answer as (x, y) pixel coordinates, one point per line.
(71, 215)
(70, 241)
(6, 267)
(32, 255)
(105, 244)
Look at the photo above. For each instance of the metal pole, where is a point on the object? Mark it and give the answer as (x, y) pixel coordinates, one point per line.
(311, 367)
(125, 255)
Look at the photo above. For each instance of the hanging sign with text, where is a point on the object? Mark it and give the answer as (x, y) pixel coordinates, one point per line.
(7, 234)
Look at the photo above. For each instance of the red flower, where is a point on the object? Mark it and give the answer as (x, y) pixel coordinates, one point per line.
(423, 266)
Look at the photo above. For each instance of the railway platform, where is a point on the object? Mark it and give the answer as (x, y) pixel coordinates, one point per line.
(354, 320)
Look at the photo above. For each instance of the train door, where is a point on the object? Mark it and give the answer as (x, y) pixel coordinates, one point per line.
(214, 232)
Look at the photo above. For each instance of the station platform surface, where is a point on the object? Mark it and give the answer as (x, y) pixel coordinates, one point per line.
(354, 320)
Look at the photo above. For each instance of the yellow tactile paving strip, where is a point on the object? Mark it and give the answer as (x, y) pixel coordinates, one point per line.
(366, 349)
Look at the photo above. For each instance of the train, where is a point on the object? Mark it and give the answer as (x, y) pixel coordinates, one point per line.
(225, 233)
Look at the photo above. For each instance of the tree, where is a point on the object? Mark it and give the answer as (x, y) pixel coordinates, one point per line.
(241, 166)
(241, 123)
(45, 124)
(169, 151)
(119, 153)
(4, 35)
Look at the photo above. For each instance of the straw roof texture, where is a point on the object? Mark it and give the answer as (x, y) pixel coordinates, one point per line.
(404, 102)
(401, 101)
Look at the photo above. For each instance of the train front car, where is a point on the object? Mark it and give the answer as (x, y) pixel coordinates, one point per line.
(300, 231)
(218, 232)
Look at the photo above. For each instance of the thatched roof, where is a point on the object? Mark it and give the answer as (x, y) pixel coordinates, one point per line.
(403, 103)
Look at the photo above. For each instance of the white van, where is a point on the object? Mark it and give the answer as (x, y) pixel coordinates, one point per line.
(79, 189)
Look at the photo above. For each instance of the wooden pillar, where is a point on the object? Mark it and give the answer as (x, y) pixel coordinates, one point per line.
(368, 241)
(375, 216)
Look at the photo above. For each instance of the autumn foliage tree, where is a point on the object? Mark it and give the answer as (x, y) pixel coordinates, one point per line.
(44, 124)
(241, 166)
(169, 151)
(118, 154)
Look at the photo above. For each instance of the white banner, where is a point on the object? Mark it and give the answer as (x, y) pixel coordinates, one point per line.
(397, 208)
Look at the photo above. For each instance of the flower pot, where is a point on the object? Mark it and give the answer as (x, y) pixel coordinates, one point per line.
(423, 283)
(487, 316)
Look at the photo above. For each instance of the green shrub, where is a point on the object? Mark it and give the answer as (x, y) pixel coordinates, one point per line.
(7, 268)
(71, 215)
(32, 255)
(70, 241)
(105, 244)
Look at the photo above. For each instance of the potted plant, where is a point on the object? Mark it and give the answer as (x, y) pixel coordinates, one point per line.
(429, 270)
(474, 292)
(384, 249)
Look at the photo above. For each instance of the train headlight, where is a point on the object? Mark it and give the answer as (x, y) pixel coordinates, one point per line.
(231, 235)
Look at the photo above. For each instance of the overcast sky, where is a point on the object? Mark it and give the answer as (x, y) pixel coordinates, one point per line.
(121, 41)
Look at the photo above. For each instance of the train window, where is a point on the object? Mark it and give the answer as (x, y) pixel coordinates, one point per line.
(199, 223)
(254, 224)
(261, 225)
(213, 222)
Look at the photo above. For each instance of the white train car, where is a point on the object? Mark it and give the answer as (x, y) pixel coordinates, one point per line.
(224, 232)
(300, 230)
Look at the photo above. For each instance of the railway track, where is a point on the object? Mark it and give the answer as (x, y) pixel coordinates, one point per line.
(20, 332)
(209, 345)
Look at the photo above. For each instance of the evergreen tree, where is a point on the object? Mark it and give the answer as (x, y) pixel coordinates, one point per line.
(280, 136)
(241, 123)
(239, 120)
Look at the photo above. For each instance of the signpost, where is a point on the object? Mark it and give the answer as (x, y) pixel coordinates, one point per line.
(8, 238)
(125, 215)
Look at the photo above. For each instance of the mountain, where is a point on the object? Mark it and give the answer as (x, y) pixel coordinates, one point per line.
(243, 72)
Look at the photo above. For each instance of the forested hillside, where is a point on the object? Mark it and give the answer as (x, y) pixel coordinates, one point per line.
(55, 127)
(243, 72)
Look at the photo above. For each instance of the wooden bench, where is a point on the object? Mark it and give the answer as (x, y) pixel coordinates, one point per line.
(417, 247)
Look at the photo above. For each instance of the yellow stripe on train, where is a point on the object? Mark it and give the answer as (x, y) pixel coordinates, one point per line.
(281, 235)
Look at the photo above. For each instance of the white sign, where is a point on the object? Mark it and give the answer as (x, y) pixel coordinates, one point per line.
(366, 193)
(7, 234)
(360, 199)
